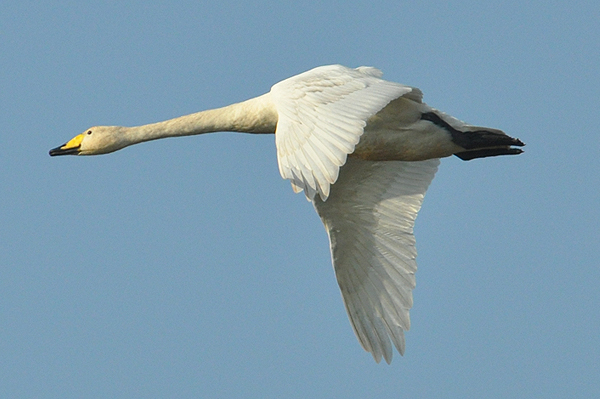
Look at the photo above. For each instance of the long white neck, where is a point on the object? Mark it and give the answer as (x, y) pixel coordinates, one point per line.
(257, 115)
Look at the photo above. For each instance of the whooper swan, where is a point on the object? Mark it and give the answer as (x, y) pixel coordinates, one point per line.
(364, 150)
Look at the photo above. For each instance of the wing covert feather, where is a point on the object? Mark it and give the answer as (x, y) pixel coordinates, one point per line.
(322, 114)
(369, 217)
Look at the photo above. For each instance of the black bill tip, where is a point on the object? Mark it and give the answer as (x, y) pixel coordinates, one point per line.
(63, 151)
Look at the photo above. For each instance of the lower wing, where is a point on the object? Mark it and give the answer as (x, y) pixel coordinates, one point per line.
(369, 217)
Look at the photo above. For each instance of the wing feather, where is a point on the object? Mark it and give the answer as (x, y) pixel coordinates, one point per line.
(369, 217)
(322, 114)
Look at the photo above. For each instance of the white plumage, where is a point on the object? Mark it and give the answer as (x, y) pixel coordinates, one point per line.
(322, 114)
(364, 150)
(369, 217)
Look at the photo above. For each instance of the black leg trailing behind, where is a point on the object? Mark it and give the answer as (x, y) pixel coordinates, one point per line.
(479, 143)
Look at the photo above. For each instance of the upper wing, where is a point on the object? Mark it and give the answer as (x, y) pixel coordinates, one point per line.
(369, 217)
(322, 114)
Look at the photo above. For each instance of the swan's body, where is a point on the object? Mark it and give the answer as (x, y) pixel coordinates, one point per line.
(364, 151)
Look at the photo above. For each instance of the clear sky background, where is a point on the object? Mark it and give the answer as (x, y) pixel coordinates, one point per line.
(188, 268)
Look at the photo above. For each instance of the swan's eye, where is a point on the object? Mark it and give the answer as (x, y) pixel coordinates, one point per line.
(89, 132)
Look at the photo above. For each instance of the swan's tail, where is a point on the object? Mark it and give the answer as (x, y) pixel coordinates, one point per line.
(478, 142)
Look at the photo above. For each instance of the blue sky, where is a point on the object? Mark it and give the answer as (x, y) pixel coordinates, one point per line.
(188, 268)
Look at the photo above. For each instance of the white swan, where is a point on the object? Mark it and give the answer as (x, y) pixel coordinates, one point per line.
(364, 150)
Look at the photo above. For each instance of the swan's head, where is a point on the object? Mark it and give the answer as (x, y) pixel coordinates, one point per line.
(95, 140)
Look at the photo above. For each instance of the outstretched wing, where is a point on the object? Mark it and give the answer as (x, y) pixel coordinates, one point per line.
(322, 114)
(369, 217)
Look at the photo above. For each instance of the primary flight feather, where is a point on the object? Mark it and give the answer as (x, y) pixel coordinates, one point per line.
(364, 151)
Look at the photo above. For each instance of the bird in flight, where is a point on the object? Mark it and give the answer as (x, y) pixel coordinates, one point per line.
(364, 151)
